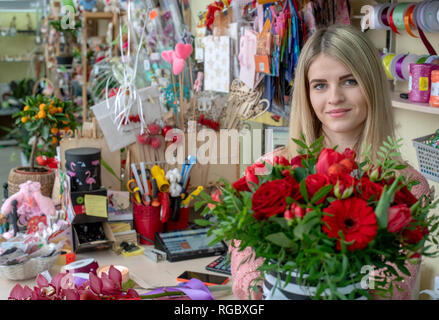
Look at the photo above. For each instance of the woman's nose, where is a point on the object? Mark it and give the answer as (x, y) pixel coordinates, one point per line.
(336, 95)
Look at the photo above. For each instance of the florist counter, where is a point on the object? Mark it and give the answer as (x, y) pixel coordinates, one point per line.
(145, 272)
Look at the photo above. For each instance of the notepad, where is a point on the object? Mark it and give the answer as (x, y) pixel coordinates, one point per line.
(96, 205)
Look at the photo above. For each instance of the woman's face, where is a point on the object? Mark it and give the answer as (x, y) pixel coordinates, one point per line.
(336, 96)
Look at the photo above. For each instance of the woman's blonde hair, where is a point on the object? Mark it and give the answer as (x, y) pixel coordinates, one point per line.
(356, 51)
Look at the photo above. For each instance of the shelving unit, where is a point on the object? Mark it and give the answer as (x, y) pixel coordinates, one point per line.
(87, 16)
(397, 102)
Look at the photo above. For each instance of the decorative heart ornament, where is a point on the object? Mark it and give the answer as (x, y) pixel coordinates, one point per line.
(168, 56)
(183, 51)
(178, 65)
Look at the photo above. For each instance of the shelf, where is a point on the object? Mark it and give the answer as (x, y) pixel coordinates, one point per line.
(98, 15)
(397, 102)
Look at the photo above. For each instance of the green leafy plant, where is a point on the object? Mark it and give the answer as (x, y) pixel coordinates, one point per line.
(325, 217)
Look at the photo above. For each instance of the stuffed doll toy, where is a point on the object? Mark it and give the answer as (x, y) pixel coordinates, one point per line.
(88, 5)
(30, 203)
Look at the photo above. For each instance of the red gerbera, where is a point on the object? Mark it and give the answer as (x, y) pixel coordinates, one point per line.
(354, 218)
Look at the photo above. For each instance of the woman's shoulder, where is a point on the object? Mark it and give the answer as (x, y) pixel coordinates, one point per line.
(278, 152)
(423, 188)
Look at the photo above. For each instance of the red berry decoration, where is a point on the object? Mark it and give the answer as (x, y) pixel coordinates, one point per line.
(155, 142)
(154, 129)
(144, 138)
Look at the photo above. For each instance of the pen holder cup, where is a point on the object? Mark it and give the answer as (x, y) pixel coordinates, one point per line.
(147, 222)
(182, 222)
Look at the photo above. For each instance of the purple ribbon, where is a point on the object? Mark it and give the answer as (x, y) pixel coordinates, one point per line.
(384, 17)
(195, 289)
(398, 66)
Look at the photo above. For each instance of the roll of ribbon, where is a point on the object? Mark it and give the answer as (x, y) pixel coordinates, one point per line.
(82, 266)
(434, 94)
(430, 12)
(123, 270)
(377, 14)
(398, 14)
(390, 18)
(387, 60)
(418, 16)
(395, 67)
(433, 60)
(422, 58)
(409, 22)
(419, 82)
(405, 67)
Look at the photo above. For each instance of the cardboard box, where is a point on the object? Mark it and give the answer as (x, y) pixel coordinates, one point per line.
(93, 245)
(78, 199)
(118, 238)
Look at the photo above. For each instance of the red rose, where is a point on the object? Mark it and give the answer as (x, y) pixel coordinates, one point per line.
(241, 185)
(333, 162)
(342, 183)
(369, 189)
(354, 218)
(414, 233)
(270, 198)
(314, 182)
(281, 160)
(404, 196)
(252, 172)
(216, 196)
(297, 161)
(398, 217)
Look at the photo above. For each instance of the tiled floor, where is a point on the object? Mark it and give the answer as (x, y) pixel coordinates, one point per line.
(9, 158)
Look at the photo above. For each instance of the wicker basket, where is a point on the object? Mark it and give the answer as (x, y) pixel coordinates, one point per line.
(428, 158)
(18, 176)
(29, 269)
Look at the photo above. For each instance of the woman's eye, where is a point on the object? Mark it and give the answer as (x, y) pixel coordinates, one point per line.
(351, 82)
(319, 86)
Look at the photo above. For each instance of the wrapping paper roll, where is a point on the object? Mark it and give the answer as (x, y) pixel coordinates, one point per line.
(434, 95)
(82, 266)
(419, 82)
(123, 270)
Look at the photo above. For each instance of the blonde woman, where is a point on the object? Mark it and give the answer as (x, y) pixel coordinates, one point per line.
(340, 92)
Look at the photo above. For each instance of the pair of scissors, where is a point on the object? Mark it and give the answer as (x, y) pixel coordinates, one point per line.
(134, 190)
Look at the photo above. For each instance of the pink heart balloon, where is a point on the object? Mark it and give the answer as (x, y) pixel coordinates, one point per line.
(178, 65)
(183, 50)
(168, 55)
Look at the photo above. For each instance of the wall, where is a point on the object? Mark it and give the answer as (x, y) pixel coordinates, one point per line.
(13, 46)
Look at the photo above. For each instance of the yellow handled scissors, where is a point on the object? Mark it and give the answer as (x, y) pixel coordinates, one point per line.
(194, 193)
(135, 191)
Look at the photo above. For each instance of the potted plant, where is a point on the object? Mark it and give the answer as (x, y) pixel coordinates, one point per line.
(44, 119)
(320, 219)
(69, 35)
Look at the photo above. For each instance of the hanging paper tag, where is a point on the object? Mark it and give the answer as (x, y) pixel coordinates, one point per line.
(146, 64)
(154, 56)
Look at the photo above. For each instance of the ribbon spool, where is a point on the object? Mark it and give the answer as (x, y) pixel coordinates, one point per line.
(377, 13)
(419, 82)
(434, 93)
(396, 62)
(82, 266)
(399, 13)
(433, 60)
(422, 58)
(429, 16)
(402, 67)
(409, 20)
(387, 60)
(123, 270)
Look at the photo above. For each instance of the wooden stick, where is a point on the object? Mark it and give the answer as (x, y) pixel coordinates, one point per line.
(181, 103)
(173, 85)
(190, 74)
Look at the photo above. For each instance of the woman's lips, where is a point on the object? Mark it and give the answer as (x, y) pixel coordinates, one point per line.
(337, 113)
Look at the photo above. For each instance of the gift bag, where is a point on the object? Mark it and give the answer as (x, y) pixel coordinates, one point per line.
(247, 51)
(264, 49)
(126, 135)
(217, 64)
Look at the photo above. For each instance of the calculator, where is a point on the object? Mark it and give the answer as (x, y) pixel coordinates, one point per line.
(220, 265)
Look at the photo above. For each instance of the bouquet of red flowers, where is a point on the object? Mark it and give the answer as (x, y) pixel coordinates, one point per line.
(322, 217)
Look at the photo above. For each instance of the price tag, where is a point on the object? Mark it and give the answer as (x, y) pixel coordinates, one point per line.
(146, 64)
(154, 56)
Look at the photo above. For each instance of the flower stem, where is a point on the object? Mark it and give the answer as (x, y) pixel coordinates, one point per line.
(163, 294)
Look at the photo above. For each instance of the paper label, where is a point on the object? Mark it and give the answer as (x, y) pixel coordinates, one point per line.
(423, 84)
(146, 64)
(435, 89)
(96, 205)
(155, 56)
